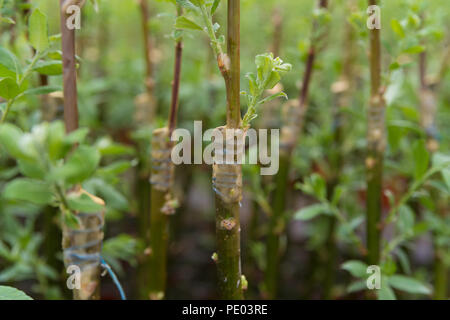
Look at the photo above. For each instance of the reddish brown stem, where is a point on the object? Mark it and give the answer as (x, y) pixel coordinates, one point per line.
(175, 87)
(69, 73)
(147, 45)
(277, 31)
(234, 54)
(304, 91)
(375, 152)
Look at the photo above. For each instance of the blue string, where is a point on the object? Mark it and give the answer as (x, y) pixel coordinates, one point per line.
(91, 260)
(114, 278)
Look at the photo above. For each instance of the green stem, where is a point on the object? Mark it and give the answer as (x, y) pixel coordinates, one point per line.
(440, 275)
(275, 222)
(159, 236)
(159, 219)
(207, 19)
(273, 238)
(228, 212)
(143, 198)
(343, 99)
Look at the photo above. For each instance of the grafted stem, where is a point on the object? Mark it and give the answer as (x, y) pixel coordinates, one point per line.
(90, 277)
(162, 180)
(228, 230)
(279, 197)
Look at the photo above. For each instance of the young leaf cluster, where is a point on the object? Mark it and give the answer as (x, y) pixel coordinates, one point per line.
(269, 70)
(13, 79)
(49, 166)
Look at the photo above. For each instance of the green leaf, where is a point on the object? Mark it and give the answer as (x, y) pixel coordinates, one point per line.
(9, 88)
(31, 169)
(55, 141)
(356, 268)
(315, 185)
(408, 284)
(404, 260)
(414, 49)
(108, 193)
(9, 136)
(83, 203)
(9, 65)
(215, 6)
(77, 136)
(337, 194)
(421, 158)
(397, 27)
(55, 55)
(38, 30)
(115, 168)
(24, 189)
(386, 293)
(186, 4)
(71, 220)
(311, 212)
(198, 3)
(273, 97)
(42, 90)
(49, 68)
(272, 80)
(185, 23)
(252, 84)
(7, 20)
(441, 159)
(10, 293)
(107, 147)
(406, 219)
(357, 286)
(394, 66)
(80, 165)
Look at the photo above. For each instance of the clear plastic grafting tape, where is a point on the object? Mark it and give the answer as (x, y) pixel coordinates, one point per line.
(376, 136)
(227, 166)
(82, 247)
(292, 124)
(145, 108)
(162, 165)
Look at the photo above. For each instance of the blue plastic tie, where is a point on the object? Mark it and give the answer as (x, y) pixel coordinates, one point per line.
(114, 278)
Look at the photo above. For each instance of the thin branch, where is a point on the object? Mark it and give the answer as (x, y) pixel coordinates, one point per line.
(176, 82)
(69, 72)
(145, 17)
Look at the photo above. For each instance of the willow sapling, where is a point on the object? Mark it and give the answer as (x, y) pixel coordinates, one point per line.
(162, 202)
(90, 223)
(144, 114)
(228, 195)
(289, 135)
(428, 109)
(343, 96)
(269, 119)
(375, 147)
(13, 86)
